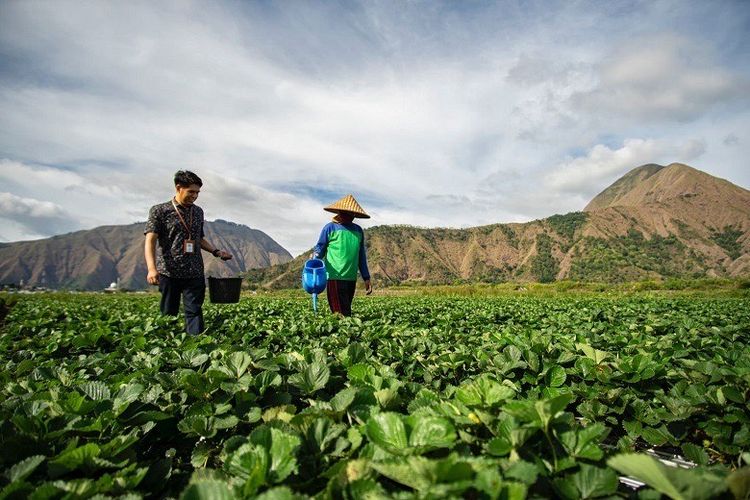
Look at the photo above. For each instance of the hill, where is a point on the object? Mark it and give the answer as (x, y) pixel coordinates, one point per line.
(654, 222)
(92, 259)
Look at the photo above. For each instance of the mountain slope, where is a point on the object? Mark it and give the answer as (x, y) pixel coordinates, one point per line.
(92, 259)
(654, 222)
(684, 192)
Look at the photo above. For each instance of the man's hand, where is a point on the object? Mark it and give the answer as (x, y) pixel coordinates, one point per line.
(224, 255)
(152, 278)
(368, 287)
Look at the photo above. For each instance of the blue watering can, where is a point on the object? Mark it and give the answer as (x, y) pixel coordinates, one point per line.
(314, 279)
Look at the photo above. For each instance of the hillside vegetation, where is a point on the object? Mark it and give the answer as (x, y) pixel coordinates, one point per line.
(654, 223)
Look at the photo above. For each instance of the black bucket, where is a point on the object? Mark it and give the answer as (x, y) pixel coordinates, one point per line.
(224, 290)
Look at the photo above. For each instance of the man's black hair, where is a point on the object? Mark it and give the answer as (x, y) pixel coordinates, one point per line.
(186, 178)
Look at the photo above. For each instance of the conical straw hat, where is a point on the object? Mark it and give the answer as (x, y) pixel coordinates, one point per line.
(347, 204)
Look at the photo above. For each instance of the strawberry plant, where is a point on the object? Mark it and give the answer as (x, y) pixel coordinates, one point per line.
(480, 397)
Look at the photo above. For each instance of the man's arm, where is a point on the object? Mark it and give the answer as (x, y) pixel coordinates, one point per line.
(150, 252)
(208, 247)
(319, 251)
(363, 270)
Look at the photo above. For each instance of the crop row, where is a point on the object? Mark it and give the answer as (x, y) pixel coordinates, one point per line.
(506, 397)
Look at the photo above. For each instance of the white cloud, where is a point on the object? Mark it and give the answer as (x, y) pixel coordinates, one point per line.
(436, 114)
(12, 205)
(29, 218)
(586, 174)
(666, 77)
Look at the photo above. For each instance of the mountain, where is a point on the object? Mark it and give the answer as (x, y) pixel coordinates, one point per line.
(92, 259)
(654, 222)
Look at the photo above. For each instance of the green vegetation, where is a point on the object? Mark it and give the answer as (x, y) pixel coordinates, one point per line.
(728, 239)
(543, 264)
(416, 397)
(632, 257)
(510, 234)
(714, 287)
(566, 225)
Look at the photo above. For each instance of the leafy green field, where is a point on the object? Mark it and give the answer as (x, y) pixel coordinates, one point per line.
(426, 397)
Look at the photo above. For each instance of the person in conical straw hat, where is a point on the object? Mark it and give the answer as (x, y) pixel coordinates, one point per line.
(342, 247)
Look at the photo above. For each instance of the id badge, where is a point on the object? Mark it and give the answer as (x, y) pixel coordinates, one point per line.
(188, 246)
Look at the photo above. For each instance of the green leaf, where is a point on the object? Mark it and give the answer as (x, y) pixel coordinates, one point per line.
(540, 412)
(354, 437)
(582, 442)
(523, 471)
(593, 482)
(367, 489)
(695, 453)
(499, 446)
(421, 473)
(657, 436)
(353, 354)
(313, 378)
(556, 376)
(126, 395)
(207, 490)
(266, 380)
(73, 459)
(343, 399)
(238, 363)
(565, 488)
(677, 483)
(250, 463)
(585, 367)
(319, 433)
(18, 489)
(514, 491)
(284, 413)
(281, 448)
(739, 483)
(360, 373)
(430, 432)
(24, 468)
(417, 473)
(97, 391)
(483, 391)
(633, 427)
(595, 355)
(279, 493)
(387, 398)
(387, 430)
(201, 454)
(226, 422)
(198, 425)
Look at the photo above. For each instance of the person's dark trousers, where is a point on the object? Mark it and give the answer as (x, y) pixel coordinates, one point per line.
(340, 295)
(192, 291)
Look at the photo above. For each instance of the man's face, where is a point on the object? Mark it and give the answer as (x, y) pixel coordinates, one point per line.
(346, 217)
(187, 195)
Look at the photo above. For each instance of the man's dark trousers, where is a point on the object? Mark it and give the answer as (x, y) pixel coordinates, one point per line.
(192, 291)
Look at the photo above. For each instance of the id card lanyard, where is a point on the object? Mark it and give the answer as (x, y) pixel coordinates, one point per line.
(188, 246)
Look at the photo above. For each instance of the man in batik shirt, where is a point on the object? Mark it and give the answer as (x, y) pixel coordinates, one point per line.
(176, 227)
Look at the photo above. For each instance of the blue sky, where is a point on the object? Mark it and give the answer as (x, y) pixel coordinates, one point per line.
(431, 113)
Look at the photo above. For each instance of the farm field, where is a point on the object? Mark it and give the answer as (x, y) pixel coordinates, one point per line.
(415, 397)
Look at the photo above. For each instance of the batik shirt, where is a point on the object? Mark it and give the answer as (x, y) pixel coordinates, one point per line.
(343, 249)
(171, 235)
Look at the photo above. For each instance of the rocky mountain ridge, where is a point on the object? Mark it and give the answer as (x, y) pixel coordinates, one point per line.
(93, 259)
(655, 222)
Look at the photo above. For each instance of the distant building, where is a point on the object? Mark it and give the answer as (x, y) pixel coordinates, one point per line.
(113, 287)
